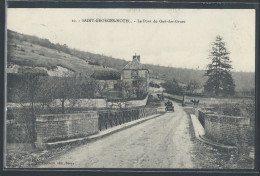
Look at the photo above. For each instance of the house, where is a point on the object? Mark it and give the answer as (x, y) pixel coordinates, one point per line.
(132, 82)
(136, 76)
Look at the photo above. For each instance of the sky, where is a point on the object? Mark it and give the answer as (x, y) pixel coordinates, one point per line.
(185, 45)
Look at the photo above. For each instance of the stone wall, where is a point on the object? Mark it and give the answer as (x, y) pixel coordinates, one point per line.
(57, 127)
(228, 130)
(201, 116)
(128, 104)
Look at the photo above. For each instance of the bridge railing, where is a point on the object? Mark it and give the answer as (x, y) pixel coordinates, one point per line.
(108, 119)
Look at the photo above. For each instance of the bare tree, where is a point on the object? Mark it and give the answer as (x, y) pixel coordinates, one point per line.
(46, 92)
(126, 89)
(100, 87)
(66, 91)
(29, 92)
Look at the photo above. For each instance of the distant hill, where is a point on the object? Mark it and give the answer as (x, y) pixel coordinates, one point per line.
(26, 50)
(245, 81)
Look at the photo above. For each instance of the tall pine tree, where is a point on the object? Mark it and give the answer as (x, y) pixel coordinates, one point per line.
(220, 81)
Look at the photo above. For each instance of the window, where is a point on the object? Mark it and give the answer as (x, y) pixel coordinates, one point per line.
(134, 73)
(135, 83)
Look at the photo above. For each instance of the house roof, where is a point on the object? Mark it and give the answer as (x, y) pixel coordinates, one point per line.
(135, 64)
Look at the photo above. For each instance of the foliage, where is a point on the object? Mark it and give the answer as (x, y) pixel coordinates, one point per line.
(48, 88)
(141, 88)
(153, 102)
(172, 87)
(100, 88)
(220, 81)
(106, 74)
(126, 89)
(93, 63)
(35, 92)
(153, 84)
(30, 92)
(71, 89)
(192, 86)
(17, 133)
(244, 109)
(64, 90)
(130, 91)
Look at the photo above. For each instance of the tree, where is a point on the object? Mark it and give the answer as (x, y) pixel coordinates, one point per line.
(126, 90)
(28, 90)
(46, 92)
(171, 86)
(192, 86)
(67, 92)
(220, 81)
(100, 87)
(87, 87)
(141, 89)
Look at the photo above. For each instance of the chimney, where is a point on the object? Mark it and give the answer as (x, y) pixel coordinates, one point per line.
(138, 58)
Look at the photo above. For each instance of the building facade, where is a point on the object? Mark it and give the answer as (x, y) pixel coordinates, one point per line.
(136, 76)
(132, 82)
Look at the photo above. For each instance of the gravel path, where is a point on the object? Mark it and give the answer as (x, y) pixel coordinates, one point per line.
(163, 142)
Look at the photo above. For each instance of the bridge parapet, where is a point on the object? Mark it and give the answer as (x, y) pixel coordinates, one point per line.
(228, 130)
(108, 119)
(57, 127)
(60, 127)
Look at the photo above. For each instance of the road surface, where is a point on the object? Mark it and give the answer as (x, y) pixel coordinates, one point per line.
(162, 142)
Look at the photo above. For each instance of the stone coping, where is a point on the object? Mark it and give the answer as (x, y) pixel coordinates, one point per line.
(215, 114)
(66, 117)
(82, 112)
(226, 118)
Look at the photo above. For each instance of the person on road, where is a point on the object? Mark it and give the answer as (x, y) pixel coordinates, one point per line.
(169, 103)
(194, 102)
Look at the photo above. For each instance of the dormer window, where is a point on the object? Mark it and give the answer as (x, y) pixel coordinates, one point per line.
(134, 73)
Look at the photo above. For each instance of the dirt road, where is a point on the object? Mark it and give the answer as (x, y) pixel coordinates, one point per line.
(162, 142)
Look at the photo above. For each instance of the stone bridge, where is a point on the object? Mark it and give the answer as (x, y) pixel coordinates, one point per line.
(58, 127)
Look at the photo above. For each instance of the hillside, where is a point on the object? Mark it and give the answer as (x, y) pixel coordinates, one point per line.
(26, 50)
(25, 53)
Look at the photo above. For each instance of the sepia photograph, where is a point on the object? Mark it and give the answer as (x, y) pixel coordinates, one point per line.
(130, 88)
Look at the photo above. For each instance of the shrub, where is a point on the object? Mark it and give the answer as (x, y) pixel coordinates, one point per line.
(245, 109)
(152, 84)
(153, 102)
(17, 133)
(232, 110)
(172, 87)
